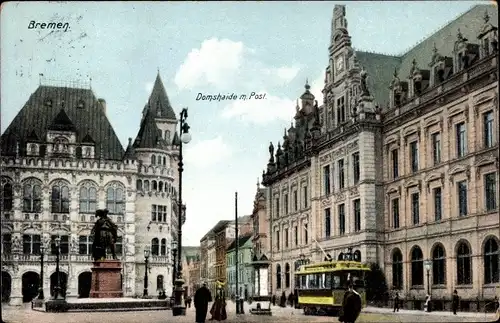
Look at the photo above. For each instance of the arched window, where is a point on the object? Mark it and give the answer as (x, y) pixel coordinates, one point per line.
(32, 196)
(287, 275)
(159, 282)
(88, 199)
(115, 199)
(464, 264)
(138, 185)
(164, 161)
(153, 160)
(340, 257)
(397, 269)
(167, 136)
(154, 247)
(154, 186)
(163, 250)
(160, 186)
(60, 198)
(438, 265)
(417, 267)
(278, 276)
(491, 261)
(6, 195)
(146, 185)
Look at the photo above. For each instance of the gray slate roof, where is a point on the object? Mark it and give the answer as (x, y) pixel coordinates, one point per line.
(72, 109)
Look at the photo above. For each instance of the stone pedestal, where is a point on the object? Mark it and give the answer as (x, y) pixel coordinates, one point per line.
(262, 299)
(106, 279)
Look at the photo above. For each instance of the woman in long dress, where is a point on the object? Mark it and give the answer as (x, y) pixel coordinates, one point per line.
(218, 310)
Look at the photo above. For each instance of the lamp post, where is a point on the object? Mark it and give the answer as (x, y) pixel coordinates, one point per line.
(146, 266)
(428, 266)
(57, 288)
(41, 296)
(185, 138)
(174, 262)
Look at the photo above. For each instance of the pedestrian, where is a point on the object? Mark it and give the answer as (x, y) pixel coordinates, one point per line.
(351, 306)
(218, 310)
(273, 300)
(283, 300)
(290, 299)
(201, 299)
(455, 302)
(396, 302)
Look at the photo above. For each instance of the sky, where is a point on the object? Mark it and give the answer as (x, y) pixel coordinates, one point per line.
(269, 48)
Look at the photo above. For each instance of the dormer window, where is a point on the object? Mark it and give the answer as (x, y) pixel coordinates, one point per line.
(48, 103)
(87, 152)
(33, 149)
(81, 104)
(60, 146)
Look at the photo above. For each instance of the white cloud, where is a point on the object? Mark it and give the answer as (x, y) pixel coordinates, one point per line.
(317, 86)
(207, 152)
(225, 64)
(148, 87)
(261, 111)
(214, 62)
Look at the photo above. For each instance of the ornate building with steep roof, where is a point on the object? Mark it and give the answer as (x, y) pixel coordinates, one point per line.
(399, 163)
(62, 160)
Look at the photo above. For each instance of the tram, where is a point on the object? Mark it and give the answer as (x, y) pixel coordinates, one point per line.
(322, 285)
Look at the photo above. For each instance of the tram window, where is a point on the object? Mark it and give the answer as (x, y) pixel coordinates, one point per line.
(336, 282)
(328, 281)
(303, 281)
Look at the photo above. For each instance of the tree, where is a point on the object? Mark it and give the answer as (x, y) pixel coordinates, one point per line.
(376, 285)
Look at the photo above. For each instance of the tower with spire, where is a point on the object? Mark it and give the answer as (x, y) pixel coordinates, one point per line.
(155, 150)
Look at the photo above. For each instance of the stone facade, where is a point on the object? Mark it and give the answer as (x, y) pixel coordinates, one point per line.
(245, 287)
(403, 167)
(53, 181)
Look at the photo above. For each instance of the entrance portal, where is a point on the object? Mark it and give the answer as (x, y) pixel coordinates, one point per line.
(6, 286)
(30, 285)
(63, 281)
(84, 284)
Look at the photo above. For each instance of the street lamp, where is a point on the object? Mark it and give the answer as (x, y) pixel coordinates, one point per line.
(146, 262)
(174, 255)
(185, 137)
(428, 266)
(41, 296)
(57, 288)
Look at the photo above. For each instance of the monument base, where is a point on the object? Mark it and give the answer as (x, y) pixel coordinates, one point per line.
(106, 279)
(262, 305)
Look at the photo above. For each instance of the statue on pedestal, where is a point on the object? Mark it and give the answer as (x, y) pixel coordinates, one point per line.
(105, 233)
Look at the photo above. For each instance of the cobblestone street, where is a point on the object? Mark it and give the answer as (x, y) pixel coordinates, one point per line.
(26, 315)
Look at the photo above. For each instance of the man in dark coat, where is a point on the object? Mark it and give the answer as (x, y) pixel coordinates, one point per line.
(396, 302)
(351, 306)
(455, 301)
(105, 235)
(201, 299)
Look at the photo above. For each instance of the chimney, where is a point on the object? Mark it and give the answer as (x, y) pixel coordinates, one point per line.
(103, 103)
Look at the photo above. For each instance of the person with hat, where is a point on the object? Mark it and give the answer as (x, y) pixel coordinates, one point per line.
(201, 299)
(105, 234)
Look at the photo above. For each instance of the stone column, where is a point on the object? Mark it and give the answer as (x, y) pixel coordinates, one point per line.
(16, 296)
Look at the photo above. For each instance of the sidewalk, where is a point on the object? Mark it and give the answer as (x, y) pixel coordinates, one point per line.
(486, 316)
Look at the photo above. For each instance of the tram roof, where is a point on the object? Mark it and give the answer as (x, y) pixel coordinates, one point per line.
(327, 266)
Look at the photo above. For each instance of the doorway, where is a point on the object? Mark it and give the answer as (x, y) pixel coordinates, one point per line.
(30, 285)
(84, 284)
(63, 281)
(6, 286)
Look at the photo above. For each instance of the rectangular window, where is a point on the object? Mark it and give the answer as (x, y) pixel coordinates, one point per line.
(461, 140)
(154, 212)
(286, 203)
(341, 173)
(277, 240)
(306, 234)
(415, 208)
(490, 191)
(341, 208)
(277, 207)
(395, 163)
(328, 222)
(326, 180)
(462, 198)
(340, 110)
(306, 197)
(488, 129)
(357, 214)
(355, 167)
(436, 148)
(6, 243)
(438, 204)
(414, 156)
(286, 238)
(295, 201)
(296, 235)
(395, 213)
(31, 244)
